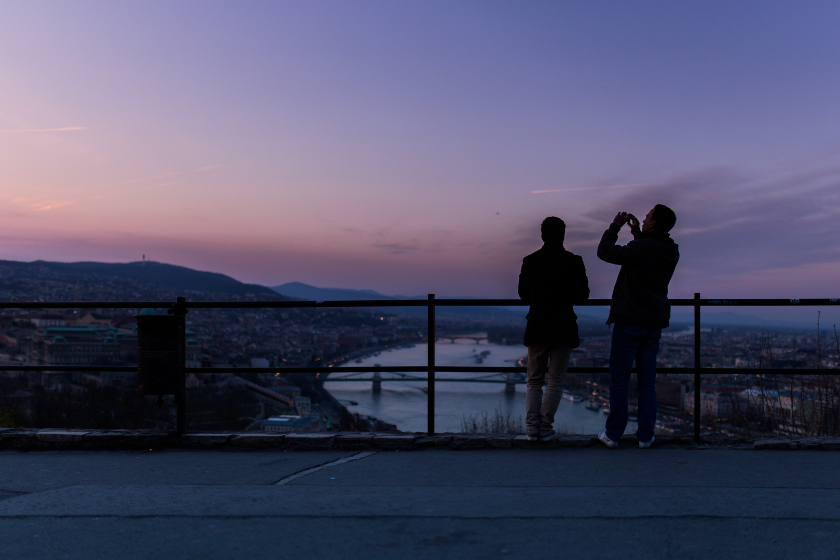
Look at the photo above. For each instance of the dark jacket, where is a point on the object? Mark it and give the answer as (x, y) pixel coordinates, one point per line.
(551, 280)
(640, 296)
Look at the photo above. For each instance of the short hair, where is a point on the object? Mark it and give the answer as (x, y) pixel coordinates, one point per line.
(553, 229)
(665, 218)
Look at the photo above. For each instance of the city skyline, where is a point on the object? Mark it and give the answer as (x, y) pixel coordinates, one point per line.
(415, 149)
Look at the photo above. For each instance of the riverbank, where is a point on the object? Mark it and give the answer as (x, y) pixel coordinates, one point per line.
(404, 403)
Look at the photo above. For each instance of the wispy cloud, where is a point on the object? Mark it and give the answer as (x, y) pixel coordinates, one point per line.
(728, 221)
(397, 248)
(40, 207)
(601, 187)
(63, 129)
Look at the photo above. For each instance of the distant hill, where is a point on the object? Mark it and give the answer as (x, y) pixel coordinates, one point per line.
(307, 292)
(598, 315)
(148, 273)
(729, 319)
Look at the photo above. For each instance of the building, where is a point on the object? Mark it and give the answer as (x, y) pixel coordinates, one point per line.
(712, 405)
(670, 394)
(88, 345)
(303, 424)
(192, 349)
(49, 321)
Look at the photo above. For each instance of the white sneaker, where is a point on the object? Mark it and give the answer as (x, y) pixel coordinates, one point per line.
(602, 435)
(646, 444)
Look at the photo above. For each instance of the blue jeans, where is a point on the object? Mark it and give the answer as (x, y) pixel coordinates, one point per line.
(633, 343)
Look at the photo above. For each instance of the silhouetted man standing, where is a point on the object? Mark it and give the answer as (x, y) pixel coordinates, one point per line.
(640, 310)
(551, 280)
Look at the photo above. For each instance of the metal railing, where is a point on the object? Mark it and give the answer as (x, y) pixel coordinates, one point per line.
(431, 368)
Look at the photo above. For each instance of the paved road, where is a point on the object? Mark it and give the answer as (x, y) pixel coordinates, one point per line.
(569, 503)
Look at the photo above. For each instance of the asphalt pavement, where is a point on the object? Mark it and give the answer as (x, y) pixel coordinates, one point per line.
(561, 503)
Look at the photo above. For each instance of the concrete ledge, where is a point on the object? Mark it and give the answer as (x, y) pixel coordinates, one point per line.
(805, 444)
(18, 439)
(830, 444)
(309, 442)
(354, 441)
(468, 441)
(61, 439)
(576, 441)
(395, 442)
(521, 442)
(481, 441)
(258, 440)
(32, 440)
(128, 439)
(61, 436)
(433, 442)
(205, 440)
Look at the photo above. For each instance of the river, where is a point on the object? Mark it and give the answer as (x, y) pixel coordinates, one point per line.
(404, 403)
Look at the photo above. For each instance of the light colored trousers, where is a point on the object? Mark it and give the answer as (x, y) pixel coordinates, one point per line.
(546, 364)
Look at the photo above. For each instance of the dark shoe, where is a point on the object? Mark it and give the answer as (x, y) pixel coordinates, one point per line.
(532, 437)
(548, 436)
(646, 444)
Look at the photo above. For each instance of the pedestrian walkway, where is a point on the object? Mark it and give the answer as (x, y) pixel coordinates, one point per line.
(570, 503)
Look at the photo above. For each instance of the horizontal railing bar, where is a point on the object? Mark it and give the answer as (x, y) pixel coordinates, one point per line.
(776, 302)
(289, 304)
(85, 304)
(422, 380)
(662, 370)
(421, 369)
(459, 302)
(753, 302)
(62, 368)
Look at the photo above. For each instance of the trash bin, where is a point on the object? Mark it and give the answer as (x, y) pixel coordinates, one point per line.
(160, 354)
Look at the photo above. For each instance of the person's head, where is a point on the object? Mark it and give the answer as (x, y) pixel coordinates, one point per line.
(553, 230)
(660, 218)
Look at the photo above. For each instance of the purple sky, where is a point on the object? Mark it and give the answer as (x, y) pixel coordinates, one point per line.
(397, 146)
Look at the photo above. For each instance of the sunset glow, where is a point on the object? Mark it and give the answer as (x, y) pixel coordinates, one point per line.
(415, 148)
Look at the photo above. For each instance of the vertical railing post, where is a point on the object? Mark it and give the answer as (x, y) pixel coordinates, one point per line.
(431, 358)
(180, 310)
(697, 380)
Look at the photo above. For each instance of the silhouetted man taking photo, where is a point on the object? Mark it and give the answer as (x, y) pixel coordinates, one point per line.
(640, 310)
(551, 280)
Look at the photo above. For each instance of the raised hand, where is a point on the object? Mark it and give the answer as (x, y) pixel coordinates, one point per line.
(634, 224)
(621, 218)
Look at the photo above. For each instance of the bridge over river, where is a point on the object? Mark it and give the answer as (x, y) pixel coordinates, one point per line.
(510, 380)
(453, 337)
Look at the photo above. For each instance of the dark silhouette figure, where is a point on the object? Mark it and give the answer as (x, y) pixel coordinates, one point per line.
(551, 280)
(640, 310)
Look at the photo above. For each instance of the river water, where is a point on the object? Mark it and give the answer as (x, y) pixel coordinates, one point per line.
(404, 403)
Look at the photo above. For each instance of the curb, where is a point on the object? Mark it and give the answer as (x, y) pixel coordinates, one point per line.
(148, 440)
